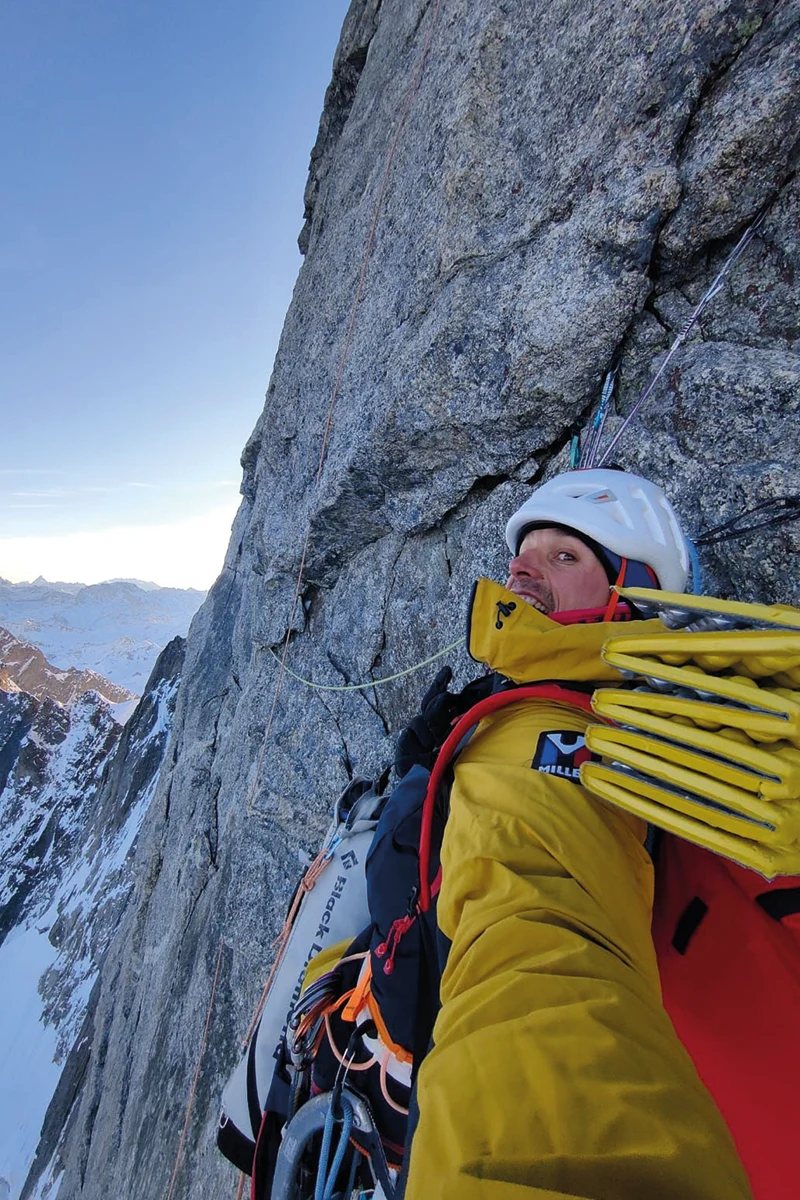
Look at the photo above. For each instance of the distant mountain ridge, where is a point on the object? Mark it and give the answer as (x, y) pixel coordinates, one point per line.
(116, 629)
(23, 668)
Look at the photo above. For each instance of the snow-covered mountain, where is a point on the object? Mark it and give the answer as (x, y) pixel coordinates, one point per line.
(74, 788)
(23, 668)
(117, 629)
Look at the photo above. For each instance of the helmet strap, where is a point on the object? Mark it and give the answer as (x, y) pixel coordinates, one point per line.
(613, 599)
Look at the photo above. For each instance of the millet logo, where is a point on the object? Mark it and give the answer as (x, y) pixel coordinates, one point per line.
(349, 860)
(561, 752)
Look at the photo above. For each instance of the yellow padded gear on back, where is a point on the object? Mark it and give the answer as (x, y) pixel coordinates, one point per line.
(707, 745)
(757, 654)
(734, 804)
(652, 802)
(727, 754)
(677, 607)
(712, 700)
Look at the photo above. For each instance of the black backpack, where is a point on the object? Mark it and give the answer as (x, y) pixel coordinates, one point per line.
(345, 1065)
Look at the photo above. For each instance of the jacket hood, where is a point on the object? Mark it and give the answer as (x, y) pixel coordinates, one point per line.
(523, 644)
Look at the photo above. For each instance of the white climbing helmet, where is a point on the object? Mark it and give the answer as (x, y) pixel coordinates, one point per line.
(623, 513)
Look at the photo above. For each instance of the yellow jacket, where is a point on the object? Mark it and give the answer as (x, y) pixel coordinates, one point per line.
(555, 1070)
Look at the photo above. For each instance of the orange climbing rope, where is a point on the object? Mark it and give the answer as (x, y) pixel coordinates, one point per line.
(343, 357)
(282, 940)
(409, 98)
(196, 1077)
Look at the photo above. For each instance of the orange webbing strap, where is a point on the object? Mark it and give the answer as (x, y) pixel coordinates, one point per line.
(360, 993)
(361, 998)
(402, 1055)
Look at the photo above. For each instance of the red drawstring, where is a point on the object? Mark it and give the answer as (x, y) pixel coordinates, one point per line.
(398, 928)
(591, 616)
(253, 1180)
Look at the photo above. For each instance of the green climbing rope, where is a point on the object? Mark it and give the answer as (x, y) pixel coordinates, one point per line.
(356, 687)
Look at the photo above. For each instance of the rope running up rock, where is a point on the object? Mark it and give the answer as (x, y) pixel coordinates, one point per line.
(405, 109)
(196, 1076)
(708, 296)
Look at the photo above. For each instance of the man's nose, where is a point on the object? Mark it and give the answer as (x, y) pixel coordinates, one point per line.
(524, 565)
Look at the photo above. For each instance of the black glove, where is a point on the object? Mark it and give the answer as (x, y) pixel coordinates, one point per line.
(417, 745)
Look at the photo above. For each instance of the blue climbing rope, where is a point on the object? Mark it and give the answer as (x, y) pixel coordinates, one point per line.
(326, 1179)
(697, 571)
(586, 459)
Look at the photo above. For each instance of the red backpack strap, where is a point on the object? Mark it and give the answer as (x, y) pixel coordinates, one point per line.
(538, 691)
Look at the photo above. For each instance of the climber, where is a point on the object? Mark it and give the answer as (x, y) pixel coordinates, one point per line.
(552, 1064)
(554, 1067)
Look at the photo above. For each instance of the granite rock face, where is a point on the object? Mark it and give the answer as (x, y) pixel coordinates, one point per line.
(503, 199)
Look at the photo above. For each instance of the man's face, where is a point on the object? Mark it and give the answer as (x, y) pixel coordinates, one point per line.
(556, 572)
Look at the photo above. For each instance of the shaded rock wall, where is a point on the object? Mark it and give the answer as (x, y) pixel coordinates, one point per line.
(51, 765)
(74, 789)
(558, 183)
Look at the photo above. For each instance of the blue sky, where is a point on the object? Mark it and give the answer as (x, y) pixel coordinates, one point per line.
(154, 160)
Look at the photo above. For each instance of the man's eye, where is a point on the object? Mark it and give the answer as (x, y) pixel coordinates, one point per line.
(566, 556)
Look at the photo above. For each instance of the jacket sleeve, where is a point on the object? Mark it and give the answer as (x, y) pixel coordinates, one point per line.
(555, 1071)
